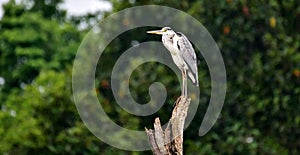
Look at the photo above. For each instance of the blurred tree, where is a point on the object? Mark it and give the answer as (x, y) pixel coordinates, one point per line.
(37, 113)
(44, 120)
(30, 42)
(48, 8)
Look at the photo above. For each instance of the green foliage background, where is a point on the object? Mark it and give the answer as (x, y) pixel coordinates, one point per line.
(260, 44)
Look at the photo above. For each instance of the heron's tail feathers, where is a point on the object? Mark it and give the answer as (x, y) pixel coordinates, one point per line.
(194, 78)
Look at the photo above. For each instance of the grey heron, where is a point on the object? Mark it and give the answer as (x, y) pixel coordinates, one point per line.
(182, 53)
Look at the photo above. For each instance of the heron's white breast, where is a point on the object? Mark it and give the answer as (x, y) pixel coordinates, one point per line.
(171, 45)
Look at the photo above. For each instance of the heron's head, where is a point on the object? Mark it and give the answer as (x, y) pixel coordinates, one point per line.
(164, 30)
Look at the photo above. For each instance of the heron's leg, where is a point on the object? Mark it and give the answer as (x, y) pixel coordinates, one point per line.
(182, 88)
(185, 83)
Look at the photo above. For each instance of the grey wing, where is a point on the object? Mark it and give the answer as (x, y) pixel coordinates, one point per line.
(188, 54)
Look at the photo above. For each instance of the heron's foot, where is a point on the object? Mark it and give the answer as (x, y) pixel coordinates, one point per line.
(177, 100)
(182, 97)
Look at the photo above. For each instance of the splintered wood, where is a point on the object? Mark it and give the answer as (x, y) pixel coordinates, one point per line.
(170, 140)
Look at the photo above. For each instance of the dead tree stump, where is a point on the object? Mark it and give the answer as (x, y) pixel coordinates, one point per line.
(170, 140)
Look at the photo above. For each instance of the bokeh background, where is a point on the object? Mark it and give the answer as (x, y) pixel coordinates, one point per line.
(259, 41)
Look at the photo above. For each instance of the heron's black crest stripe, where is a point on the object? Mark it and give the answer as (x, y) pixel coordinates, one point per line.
(178, 45)
(179, 34)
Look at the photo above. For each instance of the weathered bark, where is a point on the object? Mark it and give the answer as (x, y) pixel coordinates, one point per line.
(170, 140)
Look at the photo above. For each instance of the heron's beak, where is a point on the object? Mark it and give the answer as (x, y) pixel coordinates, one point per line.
(156, 32)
